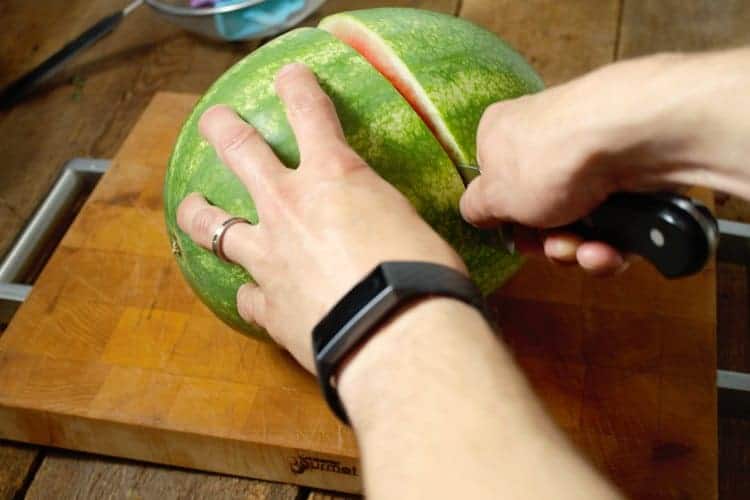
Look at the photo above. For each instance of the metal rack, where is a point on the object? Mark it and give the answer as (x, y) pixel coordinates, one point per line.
(76, 179)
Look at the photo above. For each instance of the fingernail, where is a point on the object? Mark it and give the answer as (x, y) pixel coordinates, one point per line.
(212, 117)
(289, 68)
(219, 108)
(561, 248)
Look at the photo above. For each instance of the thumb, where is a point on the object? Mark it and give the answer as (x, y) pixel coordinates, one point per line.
(478, 206)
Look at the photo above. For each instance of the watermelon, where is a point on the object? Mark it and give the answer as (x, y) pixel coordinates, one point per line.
(449, 69)
(397, 126)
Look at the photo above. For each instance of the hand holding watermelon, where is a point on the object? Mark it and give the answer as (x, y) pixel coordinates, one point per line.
(324, 225)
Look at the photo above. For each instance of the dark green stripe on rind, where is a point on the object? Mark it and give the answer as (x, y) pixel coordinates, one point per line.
(461, 67)
(379, 124)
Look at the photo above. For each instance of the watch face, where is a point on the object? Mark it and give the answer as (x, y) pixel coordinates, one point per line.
(355, 301)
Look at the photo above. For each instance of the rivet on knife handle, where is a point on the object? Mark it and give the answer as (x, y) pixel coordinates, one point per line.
(678, 235)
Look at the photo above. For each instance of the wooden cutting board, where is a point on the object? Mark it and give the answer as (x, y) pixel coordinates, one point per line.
(113, 354)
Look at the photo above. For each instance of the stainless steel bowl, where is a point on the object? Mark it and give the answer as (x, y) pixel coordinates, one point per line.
(218, 22)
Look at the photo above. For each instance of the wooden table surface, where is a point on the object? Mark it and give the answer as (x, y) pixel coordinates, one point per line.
(89, 108)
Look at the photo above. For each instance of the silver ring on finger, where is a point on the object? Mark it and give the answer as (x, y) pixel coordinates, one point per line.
(217, 240)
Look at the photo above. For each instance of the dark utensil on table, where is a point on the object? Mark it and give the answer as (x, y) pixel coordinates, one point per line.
(28, 82)
(228, 22)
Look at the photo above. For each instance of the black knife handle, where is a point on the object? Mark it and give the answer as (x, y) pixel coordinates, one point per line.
(25, 84)
(678, 235)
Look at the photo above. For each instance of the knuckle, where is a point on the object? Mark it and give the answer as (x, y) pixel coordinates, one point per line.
(344, 165)
(291, 74)
(496, 125)
(493, 114)
(249, 304)
(185, 209)
(307, 101)
(204, 222)
(341, 158)
(471, 206)
(238, 138)
(244, 304)
(488, 202)
(280, 192)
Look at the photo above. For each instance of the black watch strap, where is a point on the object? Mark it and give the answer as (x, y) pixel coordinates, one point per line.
(354, 318)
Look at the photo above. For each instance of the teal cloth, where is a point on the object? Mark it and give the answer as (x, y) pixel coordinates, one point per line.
(255, 19)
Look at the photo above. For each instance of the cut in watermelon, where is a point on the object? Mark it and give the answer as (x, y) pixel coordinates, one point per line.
(381, 56)
(448, 69)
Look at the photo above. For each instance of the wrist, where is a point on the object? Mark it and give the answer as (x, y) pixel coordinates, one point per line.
(378, 381)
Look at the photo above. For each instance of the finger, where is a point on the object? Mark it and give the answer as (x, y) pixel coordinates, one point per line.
(310, 111)
(561, 246)
(241, 148)
(600, 259)
(477, 207)
(251, 304)
(200, 221)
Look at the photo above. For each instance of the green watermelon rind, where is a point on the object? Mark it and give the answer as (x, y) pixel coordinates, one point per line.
(471, 68)
(379, 124)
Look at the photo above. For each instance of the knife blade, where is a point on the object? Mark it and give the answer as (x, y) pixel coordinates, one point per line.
(473, 168)
(677, 234)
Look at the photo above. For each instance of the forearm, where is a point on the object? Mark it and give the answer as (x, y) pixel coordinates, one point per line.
(719, 121)
(441, 410)
(698, 132)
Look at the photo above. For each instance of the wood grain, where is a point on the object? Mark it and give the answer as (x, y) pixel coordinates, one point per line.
(692, 25)
(65, 476)
(113, 354)
(95, 348)
(734, 317)
(734, 446)
(582, 383)
(562, 40)
(17, 462)
(682, 25)
(618, 351)
(88, 108)
(93, 102)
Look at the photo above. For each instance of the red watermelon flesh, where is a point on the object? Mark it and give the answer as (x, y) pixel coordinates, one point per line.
(376, 53)
(409, 86)
(448, 69)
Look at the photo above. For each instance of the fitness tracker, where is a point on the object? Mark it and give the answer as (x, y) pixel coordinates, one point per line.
(356, 316)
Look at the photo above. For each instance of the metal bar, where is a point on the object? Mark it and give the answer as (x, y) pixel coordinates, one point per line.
(734, 393)
(735, 242)
(734, 228)
(14, 292)
(12, 295)
(94, 166)
(734, 387)
(75, 179)
(736, 381)
(131, 7)
(76, 176)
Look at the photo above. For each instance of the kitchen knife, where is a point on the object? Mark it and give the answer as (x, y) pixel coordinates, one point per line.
(20, 88)
(677, 234)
